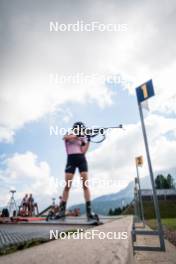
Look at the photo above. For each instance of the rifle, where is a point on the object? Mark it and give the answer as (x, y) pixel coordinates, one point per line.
(93, 132)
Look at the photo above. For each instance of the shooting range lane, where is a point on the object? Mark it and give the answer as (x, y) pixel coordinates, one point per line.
(21, 233)
(81, 250)
(16, 235)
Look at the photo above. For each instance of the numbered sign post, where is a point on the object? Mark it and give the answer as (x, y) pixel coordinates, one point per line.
(144, 92)
(139, 163)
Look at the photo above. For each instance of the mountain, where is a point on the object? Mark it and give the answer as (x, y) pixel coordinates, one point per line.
(102, 204)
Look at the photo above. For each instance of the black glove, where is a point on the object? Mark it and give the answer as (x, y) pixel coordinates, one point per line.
(88, 138)
(83, 144)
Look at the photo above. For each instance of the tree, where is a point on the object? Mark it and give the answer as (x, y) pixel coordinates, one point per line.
(163, 182)
(117, 211)
(110, 212)
(159, 181)
(170, 181)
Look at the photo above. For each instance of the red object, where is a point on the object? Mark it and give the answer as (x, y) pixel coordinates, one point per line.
(27, 219)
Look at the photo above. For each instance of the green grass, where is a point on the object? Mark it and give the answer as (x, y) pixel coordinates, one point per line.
(20, 246)
(167, 209)
(169, 223)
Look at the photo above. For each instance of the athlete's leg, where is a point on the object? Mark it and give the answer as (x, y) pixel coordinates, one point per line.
(84, 178)
(68, 183)
(62, 207)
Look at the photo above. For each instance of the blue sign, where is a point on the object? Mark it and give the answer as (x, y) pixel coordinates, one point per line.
(145, 91)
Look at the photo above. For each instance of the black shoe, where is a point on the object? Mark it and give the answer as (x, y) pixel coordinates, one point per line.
(50, 216)
(92, 216)
(61, 213)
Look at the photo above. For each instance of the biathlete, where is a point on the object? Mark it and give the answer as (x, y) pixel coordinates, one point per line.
(76, 145)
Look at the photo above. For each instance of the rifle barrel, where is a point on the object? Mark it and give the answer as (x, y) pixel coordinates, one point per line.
(120, 126)
(98, 130)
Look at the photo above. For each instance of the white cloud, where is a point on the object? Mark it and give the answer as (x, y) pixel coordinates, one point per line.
(115, 158)
(164, 153)
(146, 50)
(28, 175)
(6, 134)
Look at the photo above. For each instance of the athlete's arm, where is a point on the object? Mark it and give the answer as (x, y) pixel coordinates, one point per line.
(85, 145)
(85, 148)
(70, 137)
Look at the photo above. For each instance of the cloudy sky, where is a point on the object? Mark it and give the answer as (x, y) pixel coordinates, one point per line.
(30, 101)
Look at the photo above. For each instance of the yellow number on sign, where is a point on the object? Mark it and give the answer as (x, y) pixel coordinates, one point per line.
(139, 161)
(144, 89)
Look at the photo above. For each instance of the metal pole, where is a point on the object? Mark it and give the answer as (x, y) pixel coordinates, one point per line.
(155, 198)
(53, 199)
(12, 203)
(140, 196)
(137, 210)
